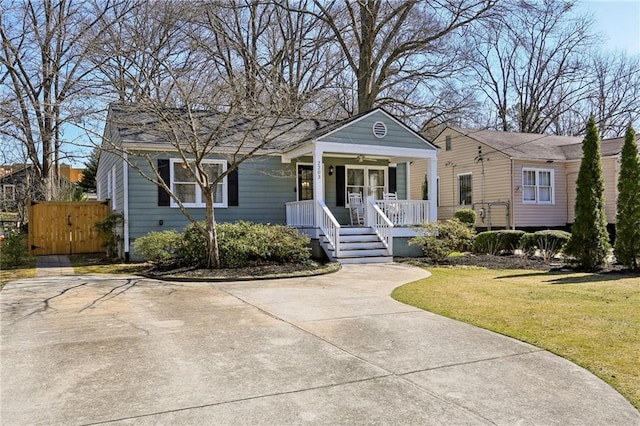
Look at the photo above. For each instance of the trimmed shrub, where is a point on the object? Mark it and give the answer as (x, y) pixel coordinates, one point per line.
(467, 216)
(441, 239)
(194, 246)
(510, 239)
(496, 242)
(161, 248)
(243, 243)
(548, 242)
(487, 242)
(14, 248)
(528, 244)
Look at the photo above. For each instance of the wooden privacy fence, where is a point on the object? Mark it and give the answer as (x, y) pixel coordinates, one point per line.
(65, 227)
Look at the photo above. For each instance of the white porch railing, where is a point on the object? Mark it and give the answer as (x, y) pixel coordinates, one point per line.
(380, 223)
(330, 227)
(405, 212)
(300, 214)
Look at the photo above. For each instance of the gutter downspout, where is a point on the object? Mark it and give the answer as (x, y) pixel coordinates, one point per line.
(513, 198)
(125, 205)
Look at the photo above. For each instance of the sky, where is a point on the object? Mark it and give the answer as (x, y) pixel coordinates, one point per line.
(617, 20)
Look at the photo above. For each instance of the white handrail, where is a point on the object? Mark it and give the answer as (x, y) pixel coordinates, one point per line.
(300, 213)
(380, 223)
(405, 212)
(330, 228)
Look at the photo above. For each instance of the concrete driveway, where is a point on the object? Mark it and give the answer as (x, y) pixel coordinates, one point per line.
(332, 349)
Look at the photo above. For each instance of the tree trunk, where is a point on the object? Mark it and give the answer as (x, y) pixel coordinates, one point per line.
(365, 70)
(213, 252)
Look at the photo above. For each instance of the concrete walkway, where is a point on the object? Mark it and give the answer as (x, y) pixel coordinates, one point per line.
(53, 266)
(332, 349)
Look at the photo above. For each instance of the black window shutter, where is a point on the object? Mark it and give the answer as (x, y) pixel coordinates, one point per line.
(340, 188)
(232, 187)
(165, 173)
(393, 181)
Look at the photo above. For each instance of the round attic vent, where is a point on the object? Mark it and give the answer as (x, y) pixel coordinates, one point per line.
(379, 129)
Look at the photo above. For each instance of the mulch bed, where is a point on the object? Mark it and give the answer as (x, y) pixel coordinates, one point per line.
(509, 262)
(257, 271)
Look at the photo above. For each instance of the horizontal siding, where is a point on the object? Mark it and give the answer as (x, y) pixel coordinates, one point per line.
(419, 169)
(360, 132)
(610, 172)
(490, 179)
(265, 185)
(571, 169)
(551, 215)
(108, 161)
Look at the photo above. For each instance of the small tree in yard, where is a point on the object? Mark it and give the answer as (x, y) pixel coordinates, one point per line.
(589, 242)
(627, 246)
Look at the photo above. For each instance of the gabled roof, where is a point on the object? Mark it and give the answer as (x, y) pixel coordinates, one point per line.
(137, 126)
(608, 148)
(538, 147)
(522, 145)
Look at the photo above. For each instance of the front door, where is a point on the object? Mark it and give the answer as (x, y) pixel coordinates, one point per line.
(305, 182)
(368, 181)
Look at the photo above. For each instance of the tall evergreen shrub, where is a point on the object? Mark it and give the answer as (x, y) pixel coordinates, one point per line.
(627, 246)
(589, 242)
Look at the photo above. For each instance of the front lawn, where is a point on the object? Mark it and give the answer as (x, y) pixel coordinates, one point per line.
(591, 319)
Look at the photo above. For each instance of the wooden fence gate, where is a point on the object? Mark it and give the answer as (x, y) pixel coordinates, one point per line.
(65, 227)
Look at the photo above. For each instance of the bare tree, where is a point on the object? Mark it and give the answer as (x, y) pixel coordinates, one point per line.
(196, 110)
(614, 96)
(304, 63)
(132, 54)
(401, 52)
(43, 74)
(531, 64)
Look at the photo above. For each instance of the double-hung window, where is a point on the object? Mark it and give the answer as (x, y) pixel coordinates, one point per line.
(537, 186)
(184, 184)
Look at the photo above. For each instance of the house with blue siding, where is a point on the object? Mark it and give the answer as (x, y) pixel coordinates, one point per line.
(343, 183)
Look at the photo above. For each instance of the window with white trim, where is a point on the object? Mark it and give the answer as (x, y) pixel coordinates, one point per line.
(537, 186)
(184, 185)
(465, 189)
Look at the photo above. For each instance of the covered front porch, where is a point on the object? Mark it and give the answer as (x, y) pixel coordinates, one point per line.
(329, 174)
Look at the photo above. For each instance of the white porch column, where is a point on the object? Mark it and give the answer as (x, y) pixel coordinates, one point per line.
(318, 184)
(433, 189)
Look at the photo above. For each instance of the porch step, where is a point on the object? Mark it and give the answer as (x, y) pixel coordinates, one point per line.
(358, 245)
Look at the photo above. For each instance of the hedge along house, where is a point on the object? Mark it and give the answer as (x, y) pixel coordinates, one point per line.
(515, 180)
(302, 178)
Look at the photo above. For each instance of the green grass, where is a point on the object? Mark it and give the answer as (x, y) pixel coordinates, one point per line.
(591, 320)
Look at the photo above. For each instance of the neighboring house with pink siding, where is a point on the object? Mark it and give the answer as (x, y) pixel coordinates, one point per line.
(513, 180)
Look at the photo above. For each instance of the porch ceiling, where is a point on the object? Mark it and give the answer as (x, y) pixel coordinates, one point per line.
(394, 154)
